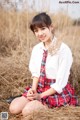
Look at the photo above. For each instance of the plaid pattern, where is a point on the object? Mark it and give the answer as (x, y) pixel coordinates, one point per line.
(42, 70)
(55, 100)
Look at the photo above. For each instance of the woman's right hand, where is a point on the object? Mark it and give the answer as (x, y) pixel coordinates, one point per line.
(30, 94)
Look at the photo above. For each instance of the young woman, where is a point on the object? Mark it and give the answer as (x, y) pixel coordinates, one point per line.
(50, 65)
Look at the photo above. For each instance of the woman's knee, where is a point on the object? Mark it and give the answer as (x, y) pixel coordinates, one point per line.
(31, 107)
(28, 109)
(13, 109)
(17, 105)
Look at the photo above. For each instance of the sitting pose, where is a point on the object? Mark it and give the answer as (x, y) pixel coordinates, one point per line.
(50, 65)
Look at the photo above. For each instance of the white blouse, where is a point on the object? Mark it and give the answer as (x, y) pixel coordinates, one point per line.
(57, 65)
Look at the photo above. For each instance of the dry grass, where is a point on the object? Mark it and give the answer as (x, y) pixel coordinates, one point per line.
(55, 114)
(15, 49)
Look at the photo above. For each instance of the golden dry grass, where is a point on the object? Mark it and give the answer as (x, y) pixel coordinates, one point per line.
(15, 49)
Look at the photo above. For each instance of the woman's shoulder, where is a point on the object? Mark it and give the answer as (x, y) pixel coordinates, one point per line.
(64, 48)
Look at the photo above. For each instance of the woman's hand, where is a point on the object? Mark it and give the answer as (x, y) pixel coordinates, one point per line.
(30, 94)
(30, 91)
(37, 96)
(33, 95)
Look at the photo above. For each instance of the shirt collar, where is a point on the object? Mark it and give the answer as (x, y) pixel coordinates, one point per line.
(42, 44)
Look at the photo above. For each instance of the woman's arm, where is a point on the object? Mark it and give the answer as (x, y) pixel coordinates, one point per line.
(32, 92)
(35, 95)
(48, 92)
(35, 83)
(63, 72)
(38, 96)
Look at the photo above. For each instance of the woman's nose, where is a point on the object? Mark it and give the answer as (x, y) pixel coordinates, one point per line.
(39, 32)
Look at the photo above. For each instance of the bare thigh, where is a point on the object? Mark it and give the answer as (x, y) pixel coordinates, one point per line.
(18, 104)
(33, 106)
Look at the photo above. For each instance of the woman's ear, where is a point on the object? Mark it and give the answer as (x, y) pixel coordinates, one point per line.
(52, 28)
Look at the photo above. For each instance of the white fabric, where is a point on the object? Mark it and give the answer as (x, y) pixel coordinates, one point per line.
(57, 65)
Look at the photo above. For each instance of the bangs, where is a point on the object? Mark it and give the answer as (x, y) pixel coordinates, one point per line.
(37, 24)
(40, 20)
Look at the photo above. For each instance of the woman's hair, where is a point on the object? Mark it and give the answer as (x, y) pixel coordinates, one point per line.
(40, 20)
(44, 20)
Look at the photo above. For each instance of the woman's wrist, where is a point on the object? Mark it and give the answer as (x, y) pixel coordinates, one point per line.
(50, 91)
(41, 95)
(34, 90)
(38, 96)
(35, 83)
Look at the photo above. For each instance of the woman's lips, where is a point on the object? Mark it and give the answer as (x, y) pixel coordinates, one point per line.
(42, 37)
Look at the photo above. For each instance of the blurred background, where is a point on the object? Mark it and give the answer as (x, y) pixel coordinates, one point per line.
(17, 41)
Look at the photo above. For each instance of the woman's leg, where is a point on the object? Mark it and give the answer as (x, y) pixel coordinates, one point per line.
(18, 104)
(33, 106)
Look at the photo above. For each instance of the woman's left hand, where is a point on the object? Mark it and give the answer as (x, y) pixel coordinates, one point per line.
(37, 96)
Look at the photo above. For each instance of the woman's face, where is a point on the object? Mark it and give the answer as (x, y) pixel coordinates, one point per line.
(43, 34)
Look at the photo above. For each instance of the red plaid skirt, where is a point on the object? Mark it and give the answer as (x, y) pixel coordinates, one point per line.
(67, 97)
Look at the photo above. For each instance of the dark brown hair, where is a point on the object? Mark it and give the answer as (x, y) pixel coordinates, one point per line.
(40, 20)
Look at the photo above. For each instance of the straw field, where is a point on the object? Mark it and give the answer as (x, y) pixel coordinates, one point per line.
(16, 43)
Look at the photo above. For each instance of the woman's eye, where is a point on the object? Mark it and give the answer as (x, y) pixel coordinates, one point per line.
(35, 30)
(42, 28)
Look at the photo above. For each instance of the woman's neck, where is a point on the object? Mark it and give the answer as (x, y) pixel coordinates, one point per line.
(46, 44)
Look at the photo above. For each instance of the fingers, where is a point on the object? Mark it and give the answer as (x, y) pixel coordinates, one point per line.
(30, 98)
(37, 96)
(30, 91)
(30, 94)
